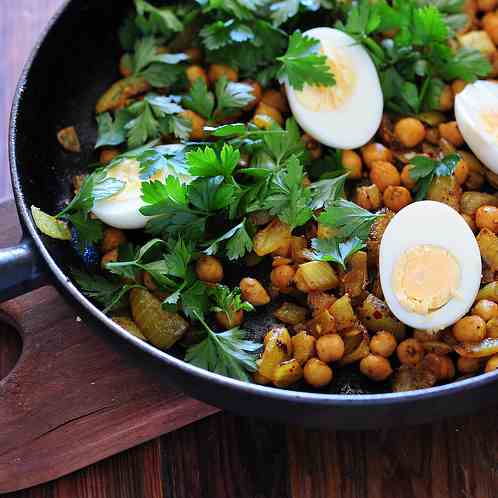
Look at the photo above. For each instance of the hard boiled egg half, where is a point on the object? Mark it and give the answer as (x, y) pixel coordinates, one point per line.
(348, 114)
(123, 209)
(430, 266)
(476, 111)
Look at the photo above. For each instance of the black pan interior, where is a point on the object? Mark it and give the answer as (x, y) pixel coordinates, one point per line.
(76, 62)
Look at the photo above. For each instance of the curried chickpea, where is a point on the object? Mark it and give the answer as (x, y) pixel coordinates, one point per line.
(491, 364)
(216, 71)
(351, 161)
(406, 178)
(229, 321)
(194, 72)
(470, 221)
(486, 309)
(375, 367)
(317, 373)
(458, 86)
(209, 269)
(492, 328)
(487, 217)
(257, 92)
(109, 257)
(265, 115)
(468, 365)
(330, 348)
(107, 155)
(282, 277)
(384, 174)
(113, 238)
(490, 25)
(312, 146)
(197, 122)
(450, 132)
(470, 329)
(486, 5)
(409, 131)
(368, 197)
(410, 352)
(275, 99)
(461, 172)
(303, 347)
(375, 152)
(447, 99)
(383, 343)
(396, 198)
(432, 136)
(253, 292)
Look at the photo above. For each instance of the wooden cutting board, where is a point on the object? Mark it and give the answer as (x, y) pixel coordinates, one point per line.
(76, 395)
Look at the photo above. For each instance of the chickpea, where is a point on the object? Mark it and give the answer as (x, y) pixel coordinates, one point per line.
(351, 161)
(113, 238)
(368, 197)
(375, 152)
(492, 328)
(265, 115)
(197, 123)
(450, 132)
(282, 277)
(433, 136)
(487, 217)
(108, 257)
(491, 364)
(461, 172)
(468, 365)
(216, 71)
(486, 5)
(209, 269)
(275, 99)
(384, 174)
(410, 352)
(486, 309)
(194, 72)
(470, 221)
(458, 86)
(490, 25)
(312, 146)
(406, 178)
(194, 54)
(303, 347)
(317, 373)
(447, 99)
(330, 348)
(253, 292)
(441, 366)
(375, 367)
(396, 198)
(409, 131)
(149, 282)
(470, 329)
(257, 91)
(107, 155)
(383, 343)
(229, 321)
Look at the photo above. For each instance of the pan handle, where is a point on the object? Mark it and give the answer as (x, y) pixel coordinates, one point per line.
(21, 270)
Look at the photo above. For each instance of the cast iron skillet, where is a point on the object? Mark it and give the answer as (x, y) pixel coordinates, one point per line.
(75, 61)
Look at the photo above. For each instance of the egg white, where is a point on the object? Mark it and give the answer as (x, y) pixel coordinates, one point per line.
(471, 106)
(436, 224)
(355, 119)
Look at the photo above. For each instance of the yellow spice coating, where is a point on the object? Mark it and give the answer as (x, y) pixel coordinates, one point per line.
(425, 278)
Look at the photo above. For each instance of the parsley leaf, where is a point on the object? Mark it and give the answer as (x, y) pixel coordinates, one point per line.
(301, 65)
(164, 18)
(227, 353)
(325, 192)
(200, 99)
(220, 33)
(349, 219)
(238, 242)
(467, 64)
(228, 301)
(112, 132)
(424, 169)
(231, 96)
(334, 250)
(205, 162)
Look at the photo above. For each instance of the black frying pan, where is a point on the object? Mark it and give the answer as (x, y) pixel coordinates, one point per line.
(75, 61)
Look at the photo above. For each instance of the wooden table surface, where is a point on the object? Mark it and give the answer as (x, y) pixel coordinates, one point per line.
(225, 456)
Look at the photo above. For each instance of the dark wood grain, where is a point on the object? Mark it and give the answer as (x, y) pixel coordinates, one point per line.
(227, 456)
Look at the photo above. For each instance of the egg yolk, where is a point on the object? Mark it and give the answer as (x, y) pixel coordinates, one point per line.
(425, 278)
(330, 98)
(490, 120)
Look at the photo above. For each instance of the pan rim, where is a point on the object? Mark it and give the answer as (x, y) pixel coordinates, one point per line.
(320, 399)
